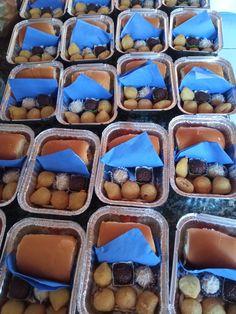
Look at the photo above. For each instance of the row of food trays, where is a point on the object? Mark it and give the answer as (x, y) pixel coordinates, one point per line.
(31, 10)
(93, 277)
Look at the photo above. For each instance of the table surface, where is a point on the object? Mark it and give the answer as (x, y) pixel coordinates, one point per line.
(176, 206)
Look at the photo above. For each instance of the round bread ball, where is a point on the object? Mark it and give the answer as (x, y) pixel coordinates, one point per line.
(41, 196)
(105, 105)
(147, 303)
(17, 113)
(144, 104)
(130, 190)
(131, 104)
(13, 306)
(102, 116)
(130, 92)
(148, 192)
(212, 306)
(9, 190)
(47, 111)
(190, 306)
(112, 190)
(190, 106)
(190, 286)
(46, 179)
(205, 108)
(60, 199)
(103, 275)
(33, 113)
(202, 185)
(35, 308)
(104, 300)
(125, 298)
(88, 117)
(221, 185)
(72, 117)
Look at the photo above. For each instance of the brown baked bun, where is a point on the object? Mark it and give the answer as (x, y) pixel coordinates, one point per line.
(216, 68)
(44, 27)
(209, 248)
(187, 136)
(180, 19)
(101, 25)
(137, 63)
(155, 21)
(124, 138)
(101, 77)
(46, 256)
(80, 147)
(110, 230)
(13, 146)
(37, 72)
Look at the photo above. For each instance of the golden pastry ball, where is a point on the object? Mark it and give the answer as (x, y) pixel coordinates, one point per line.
(104, 300)
(47, 111)
(9, 190)
(148, 192)
(59, 298)
(190, 286)
(125, 298)
(102, 116)
(13, 306)
(41, 196)
(46, 179)
(17, 113)
(105, 105)
(184, 185)
(33, 113)
(144, 104)
(63, 310)
(147, 303)
(212, 306)
(190, 106)
(130, 92)
(60, 199)
(103, 275)
(130, 190)
(131, 104)
(35, 308)
(202, 185)
(221, 185)
(88, 117)
(112, 190)
(191, 306)
(205, 108)
(72, 117)
(77, 200)
(181, 168)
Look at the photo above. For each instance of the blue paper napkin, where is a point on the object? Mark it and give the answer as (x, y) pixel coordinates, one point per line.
(200, 26)
(39, 283)
(221, 272)
(136, 152)
(85, 87)
(64, 161)
(101, 3)
(204, 79)
(15, 163)
(54, 4)
(35, 37)
(208, 151)
(139, 28)
(129, 247)
(27, 87)
(86, 35)
(145, 75)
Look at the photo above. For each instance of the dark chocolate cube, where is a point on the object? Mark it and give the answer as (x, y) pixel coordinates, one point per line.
(197, 167)
(123, 274)
(229, 291)
(143, 174)
(78, 182)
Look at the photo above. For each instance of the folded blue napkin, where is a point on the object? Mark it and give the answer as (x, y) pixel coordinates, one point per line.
(15, 163)
(145, 75)
(131, 246)
(206, 80)
(48, 4)
(231, 151)
(32, 87)
(86, 35)
(208, 151)
(135, 152)
(85, 87)
(139, 28)
(221, 272)
(39, 283)
(35, 37)
(101, 3)
(63, 161)
(199, 25)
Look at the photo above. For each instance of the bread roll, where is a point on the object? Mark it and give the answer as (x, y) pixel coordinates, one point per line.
(137, 63)
(187, 136)
(101, 25)
(12, 146)
(124, 138)
(38, 72)
(214, 67)
(180, 19)
(110, 230)
(46, 256)
(209, 248)
(80, 147)
(155, 21)
(44, 27)
(101, 77)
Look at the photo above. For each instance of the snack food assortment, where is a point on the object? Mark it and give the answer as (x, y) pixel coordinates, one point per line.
(145, 83)
(78, 46)
(186, 3)
(91, 7)
(137, 4)
(35, 9)
(204, 265)
(130, 37)
(198, 95)
(35, 41)
(89, 95)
